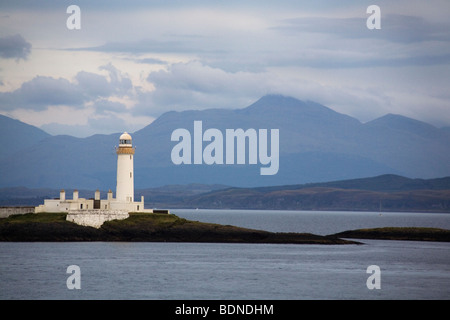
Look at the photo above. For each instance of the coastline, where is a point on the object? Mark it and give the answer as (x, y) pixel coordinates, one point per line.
(398, 233)
(145, 227)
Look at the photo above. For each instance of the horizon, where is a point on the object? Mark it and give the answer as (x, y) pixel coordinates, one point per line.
(205, 55)
(84, 190)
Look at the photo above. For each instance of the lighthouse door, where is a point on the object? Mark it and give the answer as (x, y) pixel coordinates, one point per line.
(96, 204)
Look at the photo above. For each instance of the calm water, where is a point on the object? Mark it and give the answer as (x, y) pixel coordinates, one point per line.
(317, 222)
(409, 269)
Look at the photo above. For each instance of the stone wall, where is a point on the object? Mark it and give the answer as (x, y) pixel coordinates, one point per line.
(95, 218)
(5, 212)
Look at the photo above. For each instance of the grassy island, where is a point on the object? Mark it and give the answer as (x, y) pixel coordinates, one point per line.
(147, 227)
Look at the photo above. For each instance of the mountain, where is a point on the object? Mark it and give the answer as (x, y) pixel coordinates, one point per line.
(19, 135)
(317, 144)
(446, 130)
(312, 138)
(63, 162)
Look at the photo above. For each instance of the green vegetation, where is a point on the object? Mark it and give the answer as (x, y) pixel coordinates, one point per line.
(157, 220)
(43, 227)
(44, 217)
(171, 228)
(145, 227)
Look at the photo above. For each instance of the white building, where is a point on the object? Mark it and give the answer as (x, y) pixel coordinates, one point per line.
(62, 204)
(85, 211)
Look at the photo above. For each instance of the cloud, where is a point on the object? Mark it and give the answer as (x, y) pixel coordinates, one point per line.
(394, 27)
(93, 85)
(194, 85)
(143, 46)
(320, 35)
(41, 92)
(120, 82)
(330, 42)
(232, 55)
(14, 47)
(310, 41)
(150, 61)
(89, 103)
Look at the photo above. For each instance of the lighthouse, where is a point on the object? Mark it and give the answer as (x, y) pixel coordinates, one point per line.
(95, 211)
(125, 174)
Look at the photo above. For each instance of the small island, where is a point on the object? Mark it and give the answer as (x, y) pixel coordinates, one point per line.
(398, 233)
(145, 227)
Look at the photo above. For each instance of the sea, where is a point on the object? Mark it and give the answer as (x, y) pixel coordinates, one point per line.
(404, 270)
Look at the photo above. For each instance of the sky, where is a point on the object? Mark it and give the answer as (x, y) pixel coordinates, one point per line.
(131, 61)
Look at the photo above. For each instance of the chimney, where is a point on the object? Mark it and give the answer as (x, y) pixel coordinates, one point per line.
(62, 195)
(97, 195)
(75, 195)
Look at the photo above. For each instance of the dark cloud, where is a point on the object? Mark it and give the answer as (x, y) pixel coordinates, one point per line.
(42, 92)
(14, 47)
(144, 46)
(93, 85)
(151, 61)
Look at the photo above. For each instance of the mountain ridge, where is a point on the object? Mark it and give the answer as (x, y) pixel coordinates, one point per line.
(317, 144)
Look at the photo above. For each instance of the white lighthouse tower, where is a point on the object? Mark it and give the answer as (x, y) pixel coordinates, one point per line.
(125, 174)
(95, 211)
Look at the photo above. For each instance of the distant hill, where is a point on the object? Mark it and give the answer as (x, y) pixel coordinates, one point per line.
(382, 183)
(325, 199)
(380, 193)
(317, 144)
